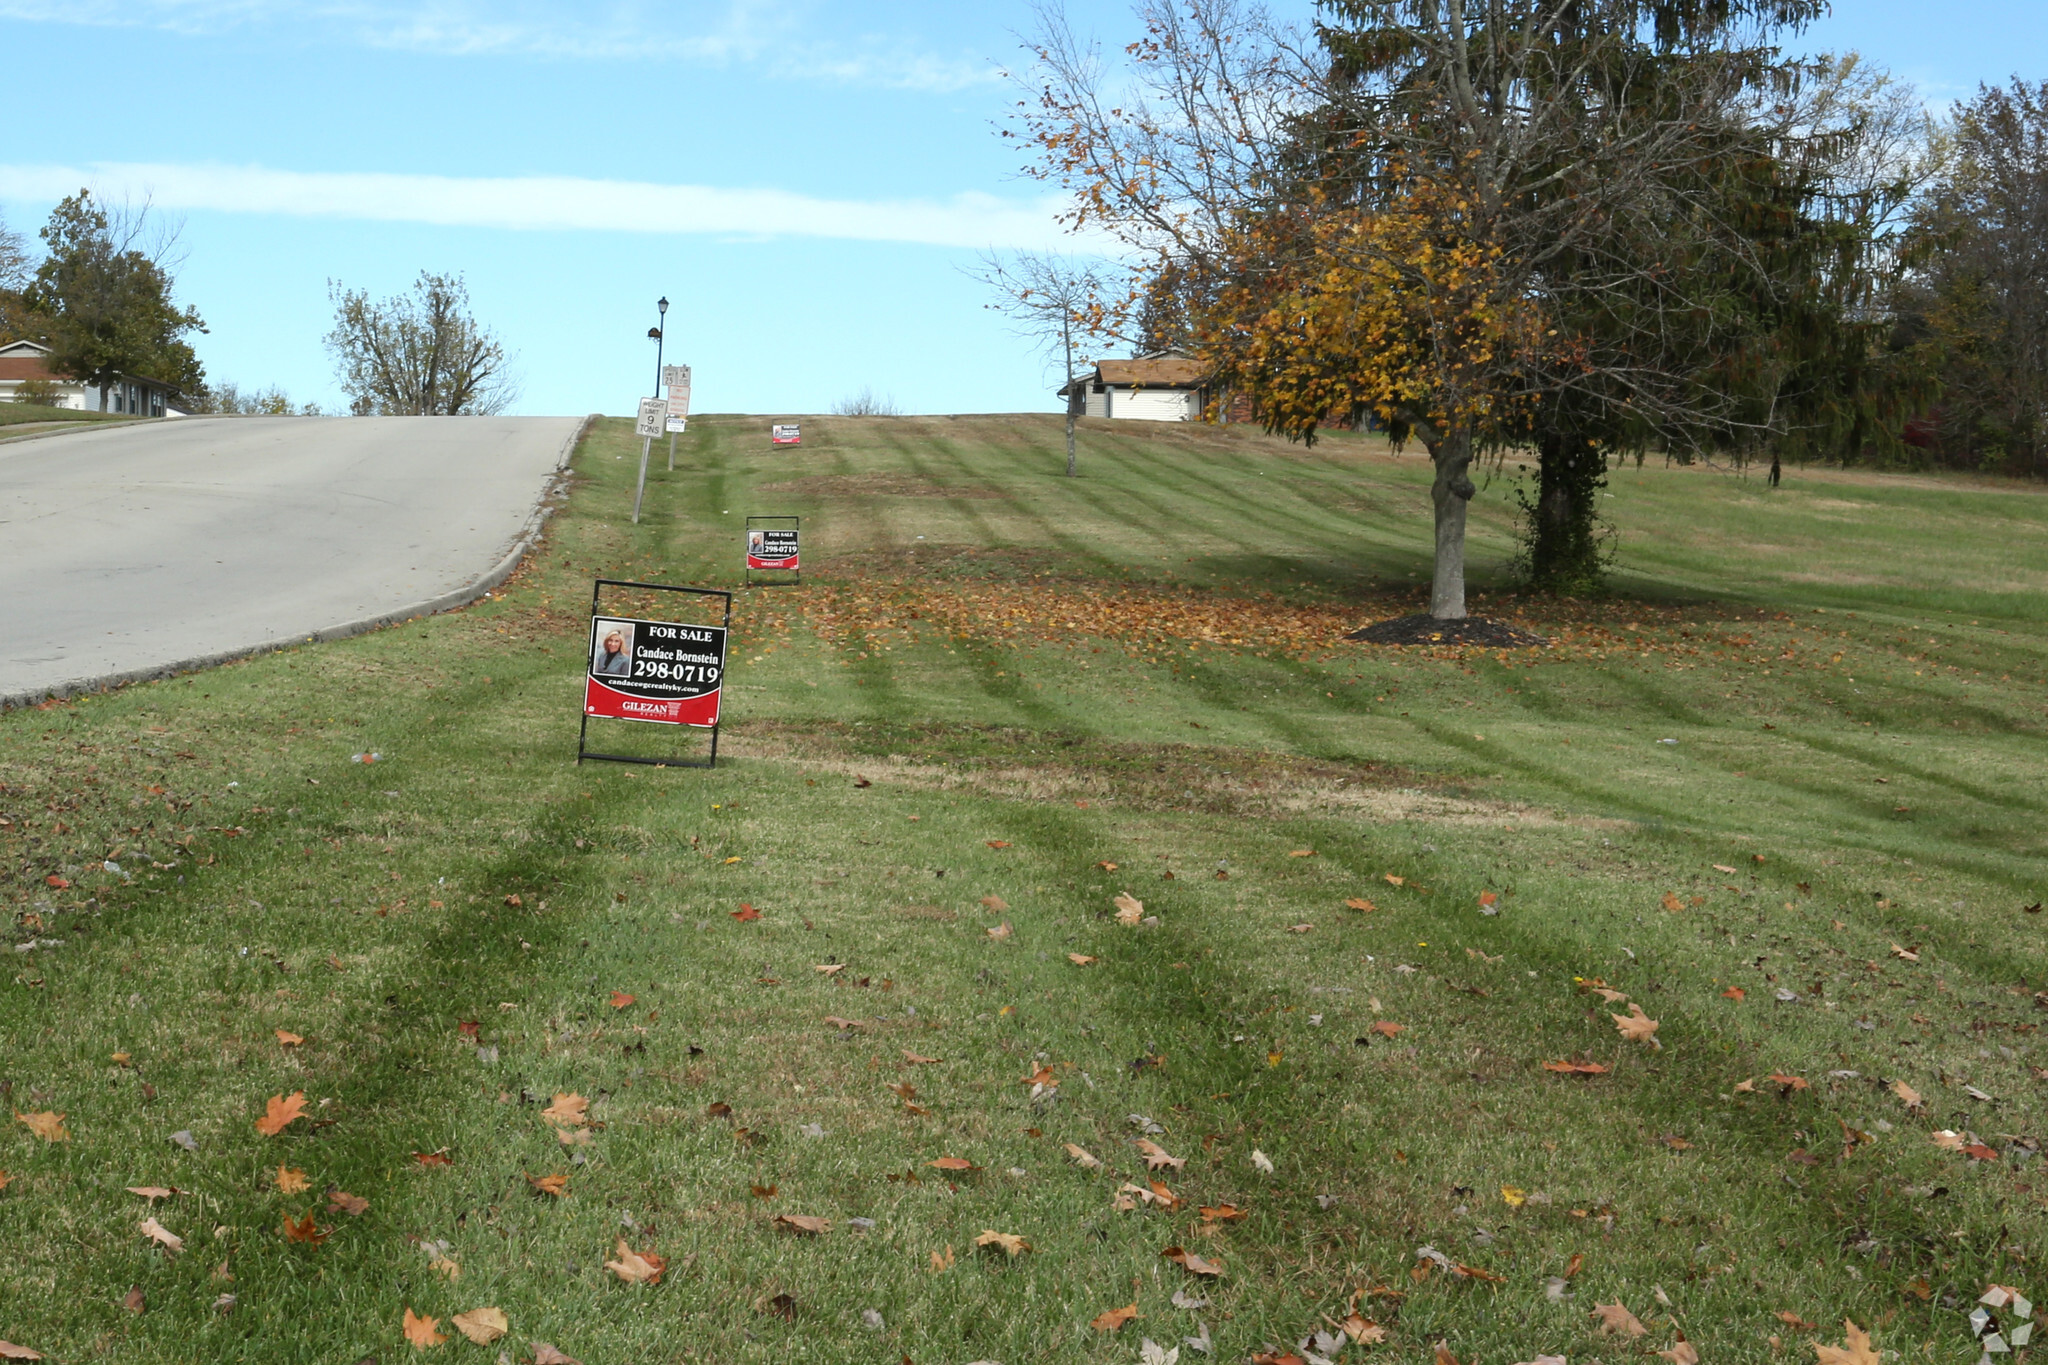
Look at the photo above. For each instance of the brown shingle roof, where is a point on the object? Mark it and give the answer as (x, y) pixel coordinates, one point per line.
(1172, 372)
(24, 367)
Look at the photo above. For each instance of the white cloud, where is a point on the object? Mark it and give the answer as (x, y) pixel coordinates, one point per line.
(782, 36)
(551, 203)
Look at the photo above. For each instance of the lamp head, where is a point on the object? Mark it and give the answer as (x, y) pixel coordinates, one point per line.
(662, 307)
(654, 334)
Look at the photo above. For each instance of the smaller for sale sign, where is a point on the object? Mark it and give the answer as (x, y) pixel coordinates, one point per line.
(659, 671)
(771, 550)
(785, 434)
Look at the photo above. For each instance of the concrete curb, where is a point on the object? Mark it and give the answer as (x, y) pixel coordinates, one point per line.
(529, 535)
(70, 428)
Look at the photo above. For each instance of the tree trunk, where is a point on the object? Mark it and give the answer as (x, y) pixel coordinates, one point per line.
(1563, 522)
(1452, 456)
(1070, 438)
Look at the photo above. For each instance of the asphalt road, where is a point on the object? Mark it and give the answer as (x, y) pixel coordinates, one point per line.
(136, 549)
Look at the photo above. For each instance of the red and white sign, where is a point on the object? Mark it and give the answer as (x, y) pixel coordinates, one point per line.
(785, 434)
(772, 550)
(659, 671)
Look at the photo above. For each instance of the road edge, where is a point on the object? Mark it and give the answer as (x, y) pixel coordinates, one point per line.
(528, 536)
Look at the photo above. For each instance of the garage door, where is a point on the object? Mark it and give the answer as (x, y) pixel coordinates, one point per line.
(1152, 405)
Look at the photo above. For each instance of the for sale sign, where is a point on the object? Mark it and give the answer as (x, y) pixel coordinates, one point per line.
(659, 671)
(785, 434)
(771, 549)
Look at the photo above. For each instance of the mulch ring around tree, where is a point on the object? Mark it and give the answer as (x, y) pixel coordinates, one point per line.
(1429, 630)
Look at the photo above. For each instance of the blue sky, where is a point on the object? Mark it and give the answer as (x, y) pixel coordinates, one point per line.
(802, 179)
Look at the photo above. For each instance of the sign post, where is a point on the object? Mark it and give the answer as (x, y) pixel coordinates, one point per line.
(772, 544)
(676, 378)
(659, 672)
(648, 425)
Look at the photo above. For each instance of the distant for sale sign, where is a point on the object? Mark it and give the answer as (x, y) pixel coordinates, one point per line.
(659, 671)
(771, 549)
(785, 434)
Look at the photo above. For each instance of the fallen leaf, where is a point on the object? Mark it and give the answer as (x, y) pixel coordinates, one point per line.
(440, 1158)
(997, 843)
(1261, 1161)
(1513, 1197)
(1854, 1350)
(9, 1351)
(1977, 1151)
(745, 913)
(846, 1025)
(568, 1110)
(341, 1201)
(1044, 1076)
(1637, 1027)
(291, 1181)
(1681, 1352)
(1009, 1242)
(1905, 954)
(1190, 1262)
(1157, 1156)
(1947, 1139)
(1082, 1158)
(151, 1192)
(802, 1224)
(620, 1000)
(1487, 900)
(952, 1163)
(1223, 1213)
(829, 968)
(279, 1112)
(1107, 866)
(634, 1267)
(1300, 928)
(121, 1058)
(288, 1039)
(304, 1230)
(999, 932)
(554, 1185)
(1793, 1320)
(1080, 959)
(1386, 1028)
(1673, 903)
(481, 1325)
(134, 1301)
(1114, 1319)
(1735, 993)
(1360, 903)
(46, 1125)
(1908, 1096)
(420, 1331)
(1614, 1318)
(1129, 909)
(916, 1060)
(545, 1353)
(162, 1236)
(1790, 1083)
(1611, 997)
(1576, 1068)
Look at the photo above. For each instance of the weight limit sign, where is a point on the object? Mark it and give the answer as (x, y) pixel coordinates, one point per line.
(656, 672)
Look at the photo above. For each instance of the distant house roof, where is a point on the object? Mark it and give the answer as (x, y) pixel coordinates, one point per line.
(21, 360)
(1162, 370)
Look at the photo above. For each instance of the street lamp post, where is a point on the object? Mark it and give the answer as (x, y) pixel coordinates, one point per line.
(654, 334)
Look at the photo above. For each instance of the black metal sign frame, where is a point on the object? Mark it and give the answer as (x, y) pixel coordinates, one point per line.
(583, 750)
(794, 524)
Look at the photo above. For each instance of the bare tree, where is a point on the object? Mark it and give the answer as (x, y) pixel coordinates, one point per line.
(1056, 301)
(15, 273)
(867, 403)
(417, 355)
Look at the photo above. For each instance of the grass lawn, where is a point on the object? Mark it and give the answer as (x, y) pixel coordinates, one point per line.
(23, 414)
(1783, 793)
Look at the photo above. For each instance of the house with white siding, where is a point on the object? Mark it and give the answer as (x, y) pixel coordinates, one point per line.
(25, 362)
(1165, 386)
